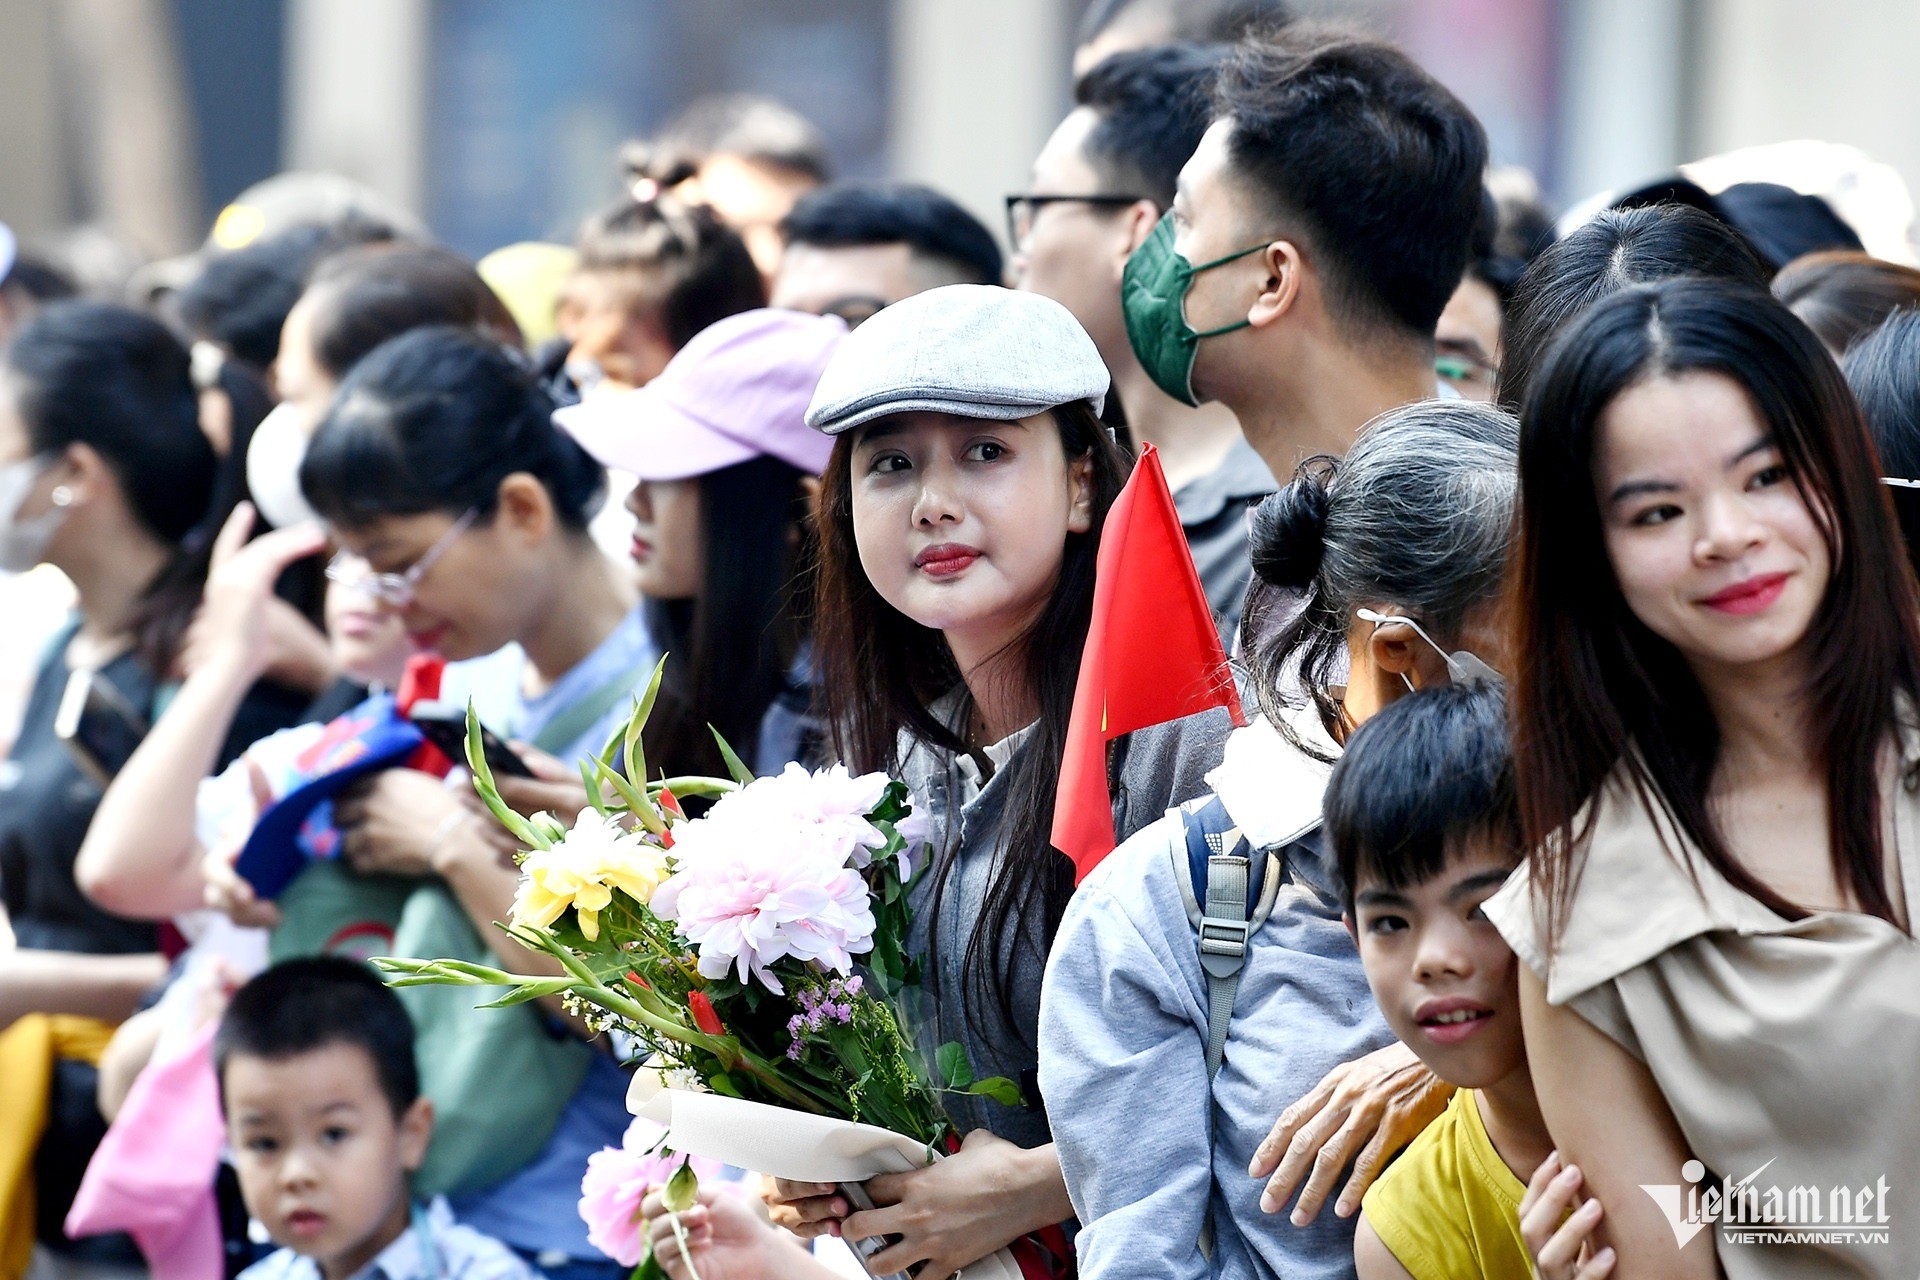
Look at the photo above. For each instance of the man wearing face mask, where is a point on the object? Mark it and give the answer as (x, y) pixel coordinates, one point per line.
(1314, 239)
(1099, 187)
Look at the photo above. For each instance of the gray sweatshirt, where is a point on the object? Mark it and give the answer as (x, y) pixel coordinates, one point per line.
(969, 819)
(1145, 1145)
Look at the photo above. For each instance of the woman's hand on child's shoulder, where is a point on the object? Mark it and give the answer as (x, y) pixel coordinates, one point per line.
(1561, 1245)
(1372, 1106)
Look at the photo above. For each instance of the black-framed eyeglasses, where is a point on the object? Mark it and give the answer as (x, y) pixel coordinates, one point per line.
(1021, 208)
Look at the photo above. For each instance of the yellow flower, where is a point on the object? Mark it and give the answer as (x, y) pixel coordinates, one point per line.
(583, 870)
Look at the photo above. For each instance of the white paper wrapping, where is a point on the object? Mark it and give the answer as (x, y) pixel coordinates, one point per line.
(787, 1144)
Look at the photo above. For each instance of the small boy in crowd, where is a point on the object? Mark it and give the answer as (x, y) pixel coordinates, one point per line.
(325, 1118)
(1424, 822)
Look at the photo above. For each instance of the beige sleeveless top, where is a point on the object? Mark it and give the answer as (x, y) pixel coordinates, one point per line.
(1789, 1051)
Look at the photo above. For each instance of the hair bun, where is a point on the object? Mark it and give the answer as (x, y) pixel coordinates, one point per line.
(1289, 530)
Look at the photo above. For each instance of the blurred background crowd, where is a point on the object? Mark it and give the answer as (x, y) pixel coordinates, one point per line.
(286, 184)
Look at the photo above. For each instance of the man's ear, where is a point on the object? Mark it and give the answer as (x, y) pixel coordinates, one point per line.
(1285, 267)
(1080, 514)
(416, 1131)
(524, 507)
(1139, 219)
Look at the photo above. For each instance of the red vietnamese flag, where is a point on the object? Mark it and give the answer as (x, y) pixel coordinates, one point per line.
(1153, 654)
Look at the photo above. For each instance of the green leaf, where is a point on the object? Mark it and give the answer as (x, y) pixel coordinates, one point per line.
(723, 1084)
(735, 765)
(681, 1189)
(590, 778)
(529, 991)
(954, 1067)
(649, 1268)
(489, 793)
(999, 1088)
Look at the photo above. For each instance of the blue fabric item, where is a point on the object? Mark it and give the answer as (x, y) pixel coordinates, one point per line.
(1123, 1021)
(371, 736)
(576, 1268)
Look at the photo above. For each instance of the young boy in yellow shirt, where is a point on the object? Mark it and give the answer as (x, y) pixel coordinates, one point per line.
(1425, 826)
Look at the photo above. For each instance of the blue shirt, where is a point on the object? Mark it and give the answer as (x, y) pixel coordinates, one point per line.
(435, 1247)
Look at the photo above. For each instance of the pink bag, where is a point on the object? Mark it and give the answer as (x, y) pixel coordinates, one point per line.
(153, 1173)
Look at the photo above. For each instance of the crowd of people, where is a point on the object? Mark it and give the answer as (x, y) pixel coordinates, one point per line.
(1551, 914)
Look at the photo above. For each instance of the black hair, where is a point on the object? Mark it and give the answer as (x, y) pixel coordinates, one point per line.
(1418, 515)
(362, 297)
(730, 648)
(39, 279)
(1206, 20)
(848, 214)
(241, 298)
(1515, 227)
(1599, 696)
(686, 264)
(1883, 368)
(1153, 104)
(299, 1006)
(119, 381)
(433, 421)
(1842, 294)
(1430, 772)
(1616, 249)
(1355, 149)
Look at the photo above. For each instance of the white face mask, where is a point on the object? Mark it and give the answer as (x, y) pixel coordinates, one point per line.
(274, 456)
(23, 543)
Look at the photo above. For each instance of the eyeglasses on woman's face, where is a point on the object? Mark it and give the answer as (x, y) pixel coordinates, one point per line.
(396, 590)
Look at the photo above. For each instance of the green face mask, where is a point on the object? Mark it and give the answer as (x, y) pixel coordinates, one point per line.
(1153, 297)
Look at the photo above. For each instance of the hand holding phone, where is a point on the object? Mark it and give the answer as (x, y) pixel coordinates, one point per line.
(446, 728)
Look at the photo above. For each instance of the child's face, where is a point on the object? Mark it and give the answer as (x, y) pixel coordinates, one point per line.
(961, 523)
(606, 322)
(1443, 976)
(322, 1160)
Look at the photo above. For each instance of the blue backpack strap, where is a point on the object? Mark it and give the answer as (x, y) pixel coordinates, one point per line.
(1224, 883)
(1225, 879)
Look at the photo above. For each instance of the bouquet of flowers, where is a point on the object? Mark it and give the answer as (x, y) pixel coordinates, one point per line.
(726, 944)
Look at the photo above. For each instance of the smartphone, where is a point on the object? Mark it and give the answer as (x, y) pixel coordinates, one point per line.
(446, 729)
(99, 726)
(865, 1247)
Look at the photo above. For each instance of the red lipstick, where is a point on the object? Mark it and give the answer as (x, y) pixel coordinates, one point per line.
(1754, 595)
(945, 559)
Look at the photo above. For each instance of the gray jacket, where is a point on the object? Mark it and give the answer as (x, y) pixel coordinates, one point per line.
(1123, 1036)
(969, 819)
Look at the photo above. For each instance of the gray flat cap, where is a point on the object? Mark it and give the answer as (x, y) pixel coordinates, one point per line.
(975, 350)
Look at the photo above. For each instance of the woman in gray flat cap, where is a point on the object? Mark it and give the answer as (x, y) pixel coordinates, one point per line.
(960, 517)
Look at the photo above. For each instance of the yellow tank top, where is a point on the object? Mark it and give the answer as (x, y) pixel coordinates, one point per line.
(1449, 1208)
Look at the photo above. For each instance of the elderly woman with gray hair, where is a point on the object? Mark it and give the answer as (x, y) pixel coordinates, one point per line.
(1396, 555)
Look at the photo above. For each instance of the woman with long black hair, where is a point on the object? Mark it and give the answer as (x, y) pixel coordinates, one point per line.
(723, 545)
(960, 517)
(1718, 653)
(106, 475)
